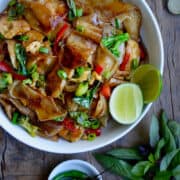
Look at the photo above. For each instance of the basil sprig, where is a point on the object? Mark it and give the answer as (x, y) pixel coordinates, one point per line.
(159, 160)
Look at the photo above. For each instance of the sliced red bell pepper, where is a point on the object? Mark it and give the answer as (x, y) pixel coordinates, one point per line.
(59, 37)
(7, 68)
(99, 69)
(106, 91)
(125, 61)
(93, 131)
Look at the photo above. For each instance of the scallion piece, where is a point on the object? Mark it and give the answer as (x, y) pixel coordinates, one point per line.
(80, 28)
(117, 23)
(15, 117)
(27, 81)
(134, 64)
(23, 38)
(79, 12)
(62, 74)
(44, 50)
(95, 124)
(91, 137)
(79, 71)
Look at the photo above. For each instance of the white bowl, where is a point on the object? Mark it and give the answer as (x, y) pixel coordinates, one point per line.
(152, 39)
(80, 165)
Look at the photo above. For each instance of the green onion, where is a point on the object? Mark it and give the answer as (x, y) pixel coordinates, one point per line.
(44, 50)
(15, 117)
(23, 38)
(15, 10)
(41, 82)
(95, 124)
(62, 74)
(134, 64)
(32, 69)
(59, 119)
(80, 28)
(79, 12)
(82, 89)
(86, 124)
(35, 76)
(117, 23)
(79, 71)
(91, 137)
(12, 3)
(27, 81)
(107, 74)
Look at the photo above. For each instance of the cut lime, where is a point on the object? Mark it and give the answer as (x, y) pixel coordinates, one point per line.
(150, 81)
(126, 103)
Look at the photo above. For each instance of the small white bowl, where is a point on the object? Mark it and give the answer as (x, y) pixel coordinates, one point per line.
(79, 165)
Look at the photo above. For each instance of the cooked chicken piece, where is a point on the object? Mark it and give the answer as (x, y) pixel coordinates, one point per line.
(11, 48)
(78, 51)
(86, 28)
(33, 47)
(71, 136)
(133, 49)
(9, 29)
(44, 106)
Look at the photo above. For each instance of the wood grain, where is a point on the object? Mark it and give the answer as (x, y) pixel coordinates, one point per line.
(20, 162)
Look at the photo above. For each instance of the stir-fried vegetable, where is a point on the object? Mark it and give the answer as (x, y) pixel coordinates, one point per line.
(62, 74)
(82, 89)
(113, 42)
(44, 50)
(22, 38)
(21, 57)
(125, 61)
(79, 71)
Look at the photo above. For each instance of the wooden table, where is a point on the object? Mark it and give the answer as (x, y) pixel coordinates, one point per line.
(20, 162)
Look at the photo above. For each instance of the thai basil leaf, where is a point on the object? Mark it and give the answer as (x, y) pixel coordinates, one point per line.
(154, 131)
(167, 135)
(175, 130)
(141, 168)
(163, 175)
(176, 172)
(116, 166)
(126, 154)
(164, 117)
(176, 161)
(151, 158)
(159, 147)
(21, 57)
(167, 159)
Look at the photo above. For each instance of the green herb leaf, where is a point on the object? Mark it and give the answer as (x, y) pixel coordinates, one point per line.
(117, 23)
(15, 10)
(154, 132)
(12, 3)
(59, 119)
(159, 147)
(167, 159)
(44, 50)
(15, 117)
(175, 130)
(175, 161)
(116, 166)
(79, 71)
(176, 172)
(141, 168)
(126, 154)
(21, 57)
(163, 175)
(166, 133)
(62, 74)
(23, 38)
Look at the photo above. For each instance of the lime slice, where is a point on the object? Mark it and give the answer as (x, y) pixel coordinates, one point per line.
(150, 81)
(126, 103)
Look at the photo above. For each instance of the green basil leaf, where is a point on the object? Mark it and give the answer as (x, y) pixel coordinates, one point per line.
(151, 158)
(116, 166)
(175, 130)
(167, 135)
(175, 161)
(154, 131)
(158, 149)
(141, 168)
(167, 159)
(176, 172)
(163, 175)
(126, 154)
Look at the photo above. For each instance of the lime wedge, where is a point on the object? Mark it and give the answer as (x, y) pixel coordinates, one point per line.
(150, 81)
(126, 103)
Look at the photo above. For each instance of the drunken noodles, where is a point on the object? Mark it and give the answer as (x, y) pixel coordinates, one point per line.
(60, 60)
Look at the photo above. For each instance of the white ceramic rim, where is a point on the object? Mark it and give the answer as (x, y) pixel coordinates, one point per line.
(74, 161)
(91, 148)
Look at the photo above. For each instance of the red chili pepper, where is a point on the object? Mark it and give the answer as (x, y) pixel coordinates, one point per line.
(93, 131)
(69, 124)
(59, 37)
(7, 68)
(99, 69)
(125, 61)
(106, 91)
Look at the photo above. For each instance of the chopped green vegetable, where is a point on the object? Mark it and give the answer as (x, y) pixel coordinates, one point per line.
(41, 82)
(79, 71)
(16, 10)
(21, 57)
(44, 50)
(35, 76)
(86, 100)
(27, 81)
(23, 121)
(135, 64)
(73, 11)
(82, 89)
(15, 117)
(91, 137)
(80, 28)
(5, 80)
(95, 124)
(117, 23)
(62, 74)
(32, 69)
(107, 74)
(59, 119)
(23, 38)
(113, 42)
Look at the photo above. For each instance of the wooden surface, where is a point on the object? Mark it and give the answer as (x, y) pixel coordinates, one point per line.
(20, 162)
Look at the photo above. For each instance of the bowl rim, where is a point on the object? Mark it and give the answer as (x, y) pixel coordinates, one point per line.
(103, 144)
